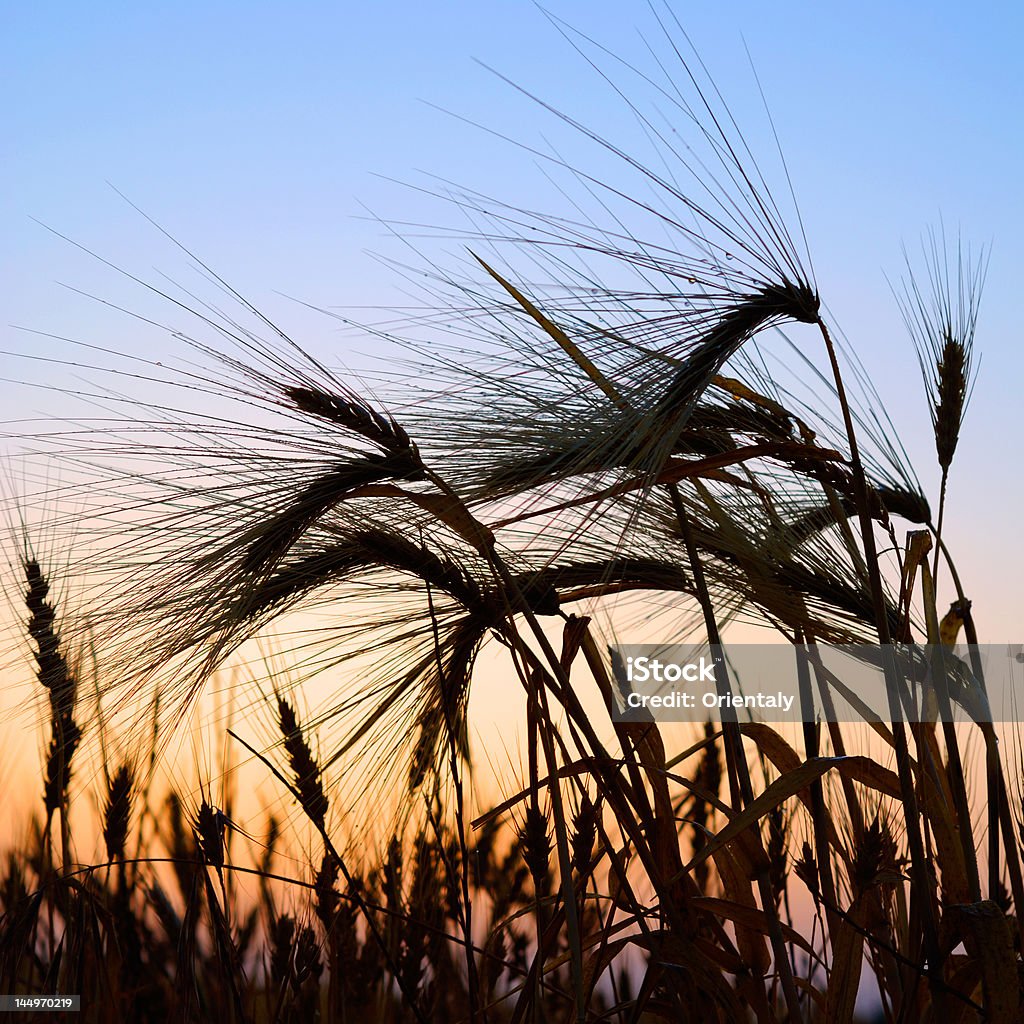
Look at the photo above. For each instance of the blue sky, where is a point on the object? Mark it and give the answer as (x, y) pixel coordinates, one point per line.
(256, 133)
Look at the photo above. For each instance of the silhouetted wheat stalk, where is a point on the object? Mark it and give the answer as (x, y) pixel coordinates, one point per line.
(941, 318)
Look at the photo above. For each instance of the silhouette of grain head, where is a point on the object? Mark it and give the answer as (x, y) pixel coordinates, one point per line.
(117, 810)
(941, 315)
(354, 415)
(57, 678)
(306, 775)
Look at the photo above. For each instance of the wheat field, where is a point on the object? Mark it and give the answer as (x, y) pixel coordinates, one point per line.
(635, 421)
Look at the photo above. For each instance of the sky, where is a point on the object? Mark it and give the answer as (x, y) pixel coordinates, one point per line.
(264, 137)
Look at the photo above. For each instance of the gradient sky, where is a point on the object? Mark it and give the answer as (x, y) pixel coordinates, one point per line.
(254, 133)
